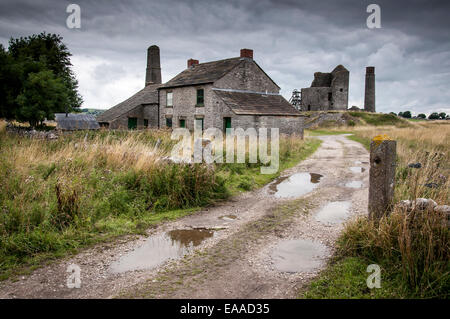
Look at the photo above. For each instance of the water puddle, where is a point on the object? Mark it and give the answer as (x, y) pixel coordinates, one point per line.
(159, 248)
(228, 217)
(295, 185)
(357, 169)
(354, 184)
(334, 213)
(298, 255)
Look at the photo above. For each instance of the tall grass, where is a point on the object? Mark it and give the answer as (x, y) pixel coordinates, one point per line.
(85, 187)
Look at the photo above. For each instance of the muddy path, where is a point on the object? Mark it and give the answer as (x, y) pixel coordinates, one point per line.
(266, 243)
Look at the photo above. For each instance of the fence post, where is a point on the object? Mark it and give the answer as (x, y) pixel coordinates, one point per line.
(383, 152)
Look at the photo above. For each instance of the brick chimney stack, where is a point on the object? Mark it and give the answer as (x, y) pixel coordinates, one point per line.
(247, 53)
(191, 62)
(153, 72)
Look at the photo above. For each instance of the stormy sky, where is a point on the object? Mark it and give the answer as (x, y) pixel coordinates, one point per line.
(291, 40)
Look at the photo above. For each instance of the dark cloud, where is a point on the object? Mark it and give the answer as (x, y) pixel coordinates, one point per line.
(292, 40)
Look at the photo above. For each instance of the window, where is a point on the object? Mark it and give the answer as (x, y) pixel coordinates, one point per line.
(200, 97)
(182, 123)
(199, 124)
(341, 90)
(168, 121)
(329, 96)
(169, 99)
(226, 123)
(132, 123)
(145, 123)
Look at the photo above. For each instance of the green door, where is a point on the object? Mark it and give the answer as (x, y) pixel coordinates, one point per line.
(132, 123)
(226, 122)
(182, 123)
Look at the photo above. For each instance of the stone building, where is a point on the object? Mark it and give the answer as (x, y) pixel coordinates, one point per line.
(328, 91)
(233, 92)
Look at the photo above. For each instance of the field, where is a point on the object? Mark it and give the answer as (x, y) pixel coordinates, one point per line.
(58, 196)
(413, 250)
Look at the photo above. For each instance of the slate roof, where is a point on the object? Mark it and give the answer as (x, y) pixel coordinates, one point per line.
(73, 122)
(245, 103)
(148, 95)
(203, 73)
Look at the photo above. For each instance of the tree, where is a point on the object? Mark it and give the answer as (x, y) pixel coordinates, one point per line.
(28, 60)
(422, 116)
(400, 114)
(406, 114)
(42, 96)
(442, 115)
(433, 116)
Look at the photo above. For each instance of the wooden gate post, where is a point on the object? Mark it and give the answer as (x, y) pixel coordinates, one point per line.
(381, 176)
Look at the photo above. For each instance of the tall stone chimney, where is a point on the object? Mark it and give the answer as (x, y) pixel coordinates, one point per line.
(369, 95)
(153, 72)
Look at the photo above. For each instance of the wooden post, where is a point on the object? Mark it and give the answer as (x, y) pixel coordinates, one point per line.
(381, 176)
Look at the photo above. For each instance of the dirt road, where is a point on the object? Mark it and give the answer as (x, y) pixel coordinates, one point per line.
(266, 243)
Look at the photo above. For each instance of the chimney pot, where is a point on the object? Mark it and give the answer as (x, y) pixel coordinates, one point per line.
(192, 62)
(247, 53)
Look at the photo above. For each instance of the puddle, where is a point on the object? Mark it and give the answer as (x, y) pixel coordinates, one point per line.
(228, 217)
(295, 185)
(357, 169)
(159, 248)
(334, 212)
(298, 255)
(354, 184)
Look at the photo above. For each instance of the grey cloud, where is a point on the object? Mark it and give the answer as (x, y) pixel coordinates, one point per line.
(292, 39)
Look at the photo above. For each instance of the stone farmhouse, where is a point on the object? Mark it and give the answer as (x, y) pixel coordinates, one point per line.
(229, 93)
(328, 91)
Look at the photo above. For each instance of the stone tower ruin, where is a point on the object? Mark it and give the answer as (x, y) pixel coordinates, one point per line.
(369, 95)
(153, 72)
(328, 91)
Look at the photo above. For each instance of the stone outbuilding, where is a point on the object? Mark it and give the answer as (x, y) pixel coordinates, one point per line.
(75, 121)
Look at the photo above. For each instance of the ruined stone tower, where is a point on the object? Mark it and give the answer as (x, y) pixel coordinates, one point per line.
(153, 72)
(328, 91)
(369, 95)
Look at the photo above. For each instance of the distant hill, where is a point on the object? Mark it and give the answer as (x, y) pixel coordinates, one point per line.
(95, 112)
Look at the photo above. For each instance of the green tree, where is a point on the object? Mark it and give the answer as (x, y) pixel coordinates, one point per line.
(28, 59)
(400, 114)
(433, 116)
(406, 114)
(422, 116)
(42, 96)
(442, 115)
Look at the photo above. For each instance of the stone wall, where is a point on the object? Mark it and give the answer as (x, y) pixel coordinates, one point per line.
(247, 76)
(315, 98)
(148, 112)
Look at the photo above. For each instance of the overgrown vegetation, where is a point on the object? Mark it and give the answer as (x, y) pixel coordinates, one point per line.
(412, 248)
(57, 196)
